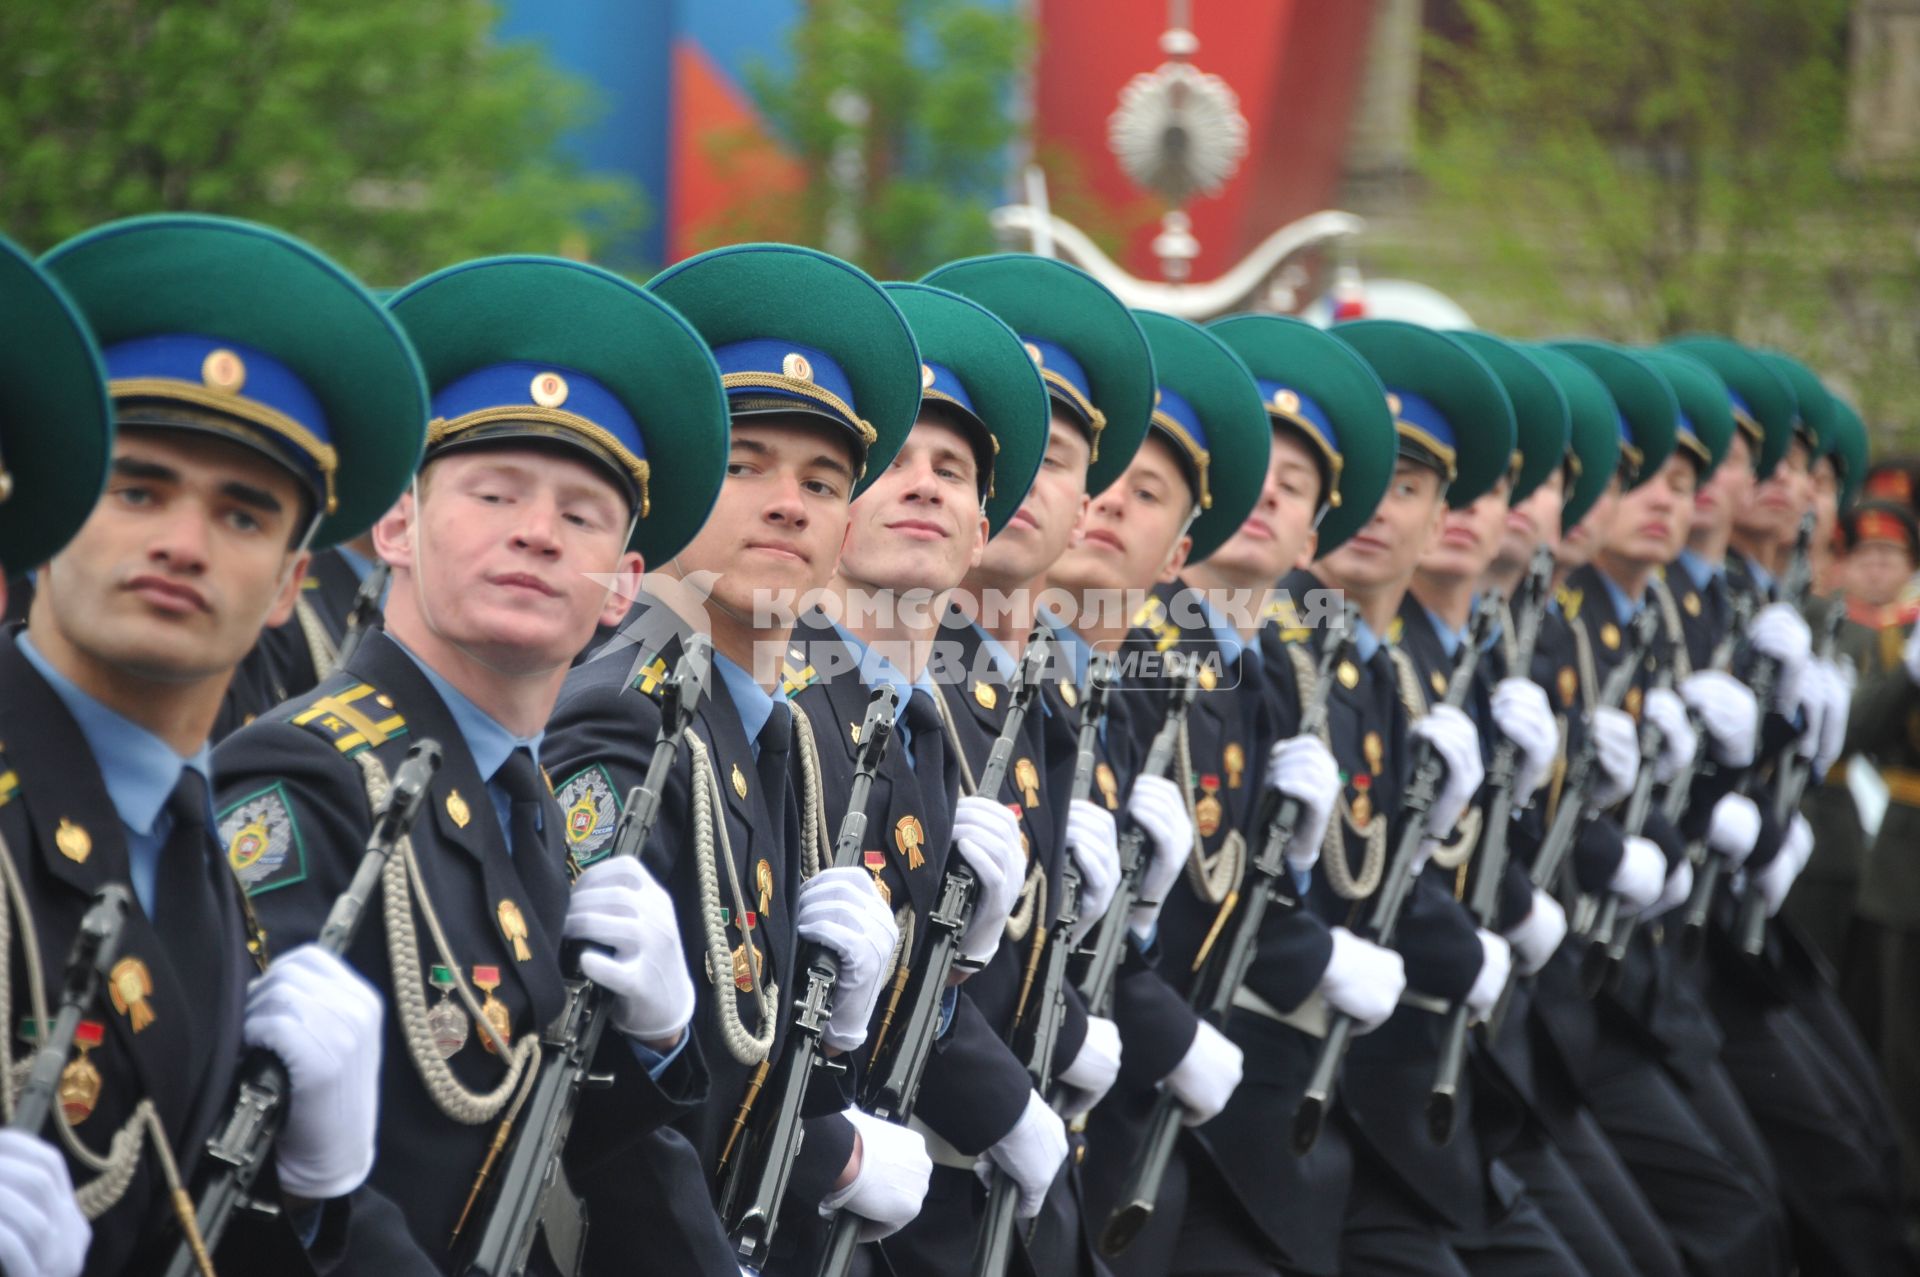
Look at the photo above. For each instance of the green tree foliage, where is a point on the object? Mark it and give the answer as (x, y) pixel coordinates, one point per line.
(397, 134)
(1639, 168)
(898, 113)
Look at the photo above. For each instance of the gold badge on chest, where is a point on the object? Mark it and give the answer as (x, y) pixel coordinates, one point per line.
(1206, 809)
(513, 925)
(130, 984)
(488, 979)
(457, 810)
(1235, 759)
(909, 837)
(1109, 786)
(1349, 675)
(875, 863)
(746, 965)
(739, 781)
(1375, 751)
(1438, 682)
(984, 693)
(1610, 636)
(1692, 603)
(74, 842)
(1027, 777)
(1361, 804)
(1569, 684)
(763, 884)
(1070, 694)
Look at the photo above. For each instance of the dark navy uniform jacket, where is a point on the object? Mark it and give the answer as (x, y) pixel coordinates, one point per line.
(292, 778)
(597, 748)
(60, 827)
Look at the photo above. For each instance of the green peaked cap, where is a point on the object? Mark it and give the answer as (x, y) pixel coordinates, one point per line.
(786, 293)
(239, 282)
(1813, 405)
(1047, 300)
(1851, 448)
(56, 424)
(1002, 387)
(1642, 397)
(579, 320)
(1235, 439)
(1595, 439)
(1705, 408)
(1324, 376)
(1443, 372)
(1763, 403)
(1541, 417)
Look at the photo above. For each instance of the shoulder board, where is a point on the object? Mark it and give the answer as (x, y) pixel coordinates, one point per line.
(653, 672)
(354, 719)
(1569, 600)
(797, 672)
(262, 840)
(9, 783)
(1150, 613)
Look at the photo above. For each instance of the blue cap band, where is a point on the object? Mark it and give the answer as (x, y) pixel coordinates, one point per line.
(263, 399)
(1419, 422)
(1286, 404)
(763, 374)
(1175, 417)
(1068, 386)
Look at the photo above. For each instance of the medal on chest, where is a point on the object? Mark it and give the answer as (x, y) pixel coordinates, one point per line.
(447, 1019)
(488, 979)
(1207, 810)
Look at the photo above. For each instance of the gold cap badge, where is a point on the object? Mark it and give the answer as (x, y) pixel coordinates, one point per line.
(797, 366)
(549, 389)
(224, 371)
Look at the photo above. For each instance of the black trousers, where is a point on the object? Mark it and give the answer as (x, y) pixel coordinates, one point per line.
(1389, 1235)
(1593, 1203)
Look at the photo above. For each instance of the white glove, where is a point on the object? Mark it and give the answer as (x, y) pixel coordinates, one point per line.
(1678, 741)
(1910, 654)
(891, 1183)
(1032, 1153)
(626, 917)
(1617, 750)
(1363, 979)
(1733, 828)
(1641, 874)
(1678, 890)
(1521, 712)
(1495, 966)
(1204, 1079)
(1728, 711)
(1538, 934)
(841, 910)
(42, 1232)
(1157, 806)
(1780, 632)
(1776, 880)
(1095, 1065)
(1303, 768)
(987, 835)
(1453, 737)
(1095, 845)
(1826, 696)
(323, 1020)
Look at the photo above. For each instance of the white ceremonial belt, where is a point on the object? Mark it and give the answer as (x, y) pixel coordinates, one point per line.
(942, 1153)
(1310, 1017)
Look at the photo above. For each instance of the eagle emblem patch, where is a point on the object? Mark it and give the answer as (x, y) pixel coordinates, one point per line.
(263, 843)
(592, 811)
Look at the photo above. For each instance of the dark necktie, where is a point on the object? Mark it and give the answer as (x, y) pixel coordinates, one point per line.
(539, 866)
(187, 912)
(927, 748)
(775, 743)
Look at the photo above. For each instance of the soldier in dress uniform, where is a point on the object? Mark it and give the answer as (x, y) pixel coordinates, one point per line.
(1098, 371)
(289, 660)
(962, 472)
(822, 381)
(537, 490)
(263, 402)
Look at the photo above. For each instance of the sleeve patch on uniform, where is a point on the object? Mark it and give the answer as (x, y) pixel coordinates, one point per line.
(263, 843)
(592, 810)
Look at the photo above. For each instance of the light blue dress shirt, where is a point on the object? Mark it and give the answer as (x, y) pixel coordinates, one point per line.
(486, 739)
(751, 701)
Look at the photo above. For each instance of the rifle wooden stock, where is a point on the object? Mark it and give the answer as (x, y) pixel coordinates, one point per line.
(1212, 995)
(1428, 772)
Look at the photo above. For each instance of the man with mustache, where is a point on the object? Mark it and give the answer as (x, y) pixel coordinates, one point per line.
(916, 531)
(822, 382)
(546, 476)
(263, 403)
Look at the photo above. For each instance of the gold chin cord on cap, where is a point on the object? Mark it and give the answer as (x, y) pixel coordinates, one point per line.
(1201, 457)
(247, 418)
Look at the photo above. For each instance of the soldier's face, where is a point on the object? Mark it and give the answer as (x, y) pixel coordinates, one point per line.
(1773, 513)
(1533, 521)
(1469, 538)
(1729, 489)
(1048, 521)
(920, 525)
(782, 516)
(1382, 555)
(1652, 520)
(1577, 547)
(506, 554)
(1278, 536)
(1135, 532)
(1877, 571)
(183, 561)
